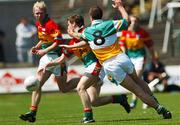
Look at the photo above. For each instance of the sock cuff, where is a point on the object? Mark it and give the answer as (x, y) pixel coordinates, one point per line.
(33, 108)
(87, 110)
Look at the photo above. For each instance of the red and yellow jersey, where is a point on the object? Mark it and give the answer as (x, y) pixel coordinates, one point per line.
(84, 53)
(135, 42)
(48, 33)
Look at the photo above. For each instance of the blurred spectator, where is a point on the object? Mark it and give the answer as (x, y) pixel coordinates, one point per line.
(152, 72)
(26, 33)
(2, 57)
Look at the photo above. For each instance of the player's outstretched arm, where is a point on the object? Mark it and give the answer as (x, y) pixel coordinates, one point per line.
(77, 45)
(119, 5)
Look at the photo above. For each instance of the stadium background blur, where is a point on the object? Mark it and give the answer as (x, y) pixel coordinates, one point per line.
(13, 10)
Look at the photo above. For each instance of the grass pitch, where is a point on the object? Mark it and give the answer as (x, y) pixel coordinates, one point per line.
(66, 109)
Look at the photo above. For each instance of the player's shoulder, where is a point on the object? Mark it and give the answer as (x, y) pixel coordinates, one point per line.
(51, 22)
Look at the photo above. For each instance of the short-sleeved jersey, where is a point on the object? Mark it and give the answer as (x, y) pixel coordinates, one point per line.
(49, 33)
(102, 38)
(135, 43)
(84, 53)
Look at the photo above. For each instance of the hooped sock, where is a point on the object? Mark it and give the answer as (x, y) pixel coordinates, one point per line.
(88, 113)
(33, 110)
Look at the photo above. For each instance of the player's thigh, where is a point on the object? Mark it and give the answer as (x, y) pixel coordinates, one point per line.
(85, 82)
(130, 85)
(60, 80)
(90, 76)
(93, 91)
(43, 76)
(134, 76)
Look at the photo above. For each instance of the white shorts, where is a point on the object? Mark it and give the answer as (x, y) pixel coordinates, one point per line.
(138, 63)
(117, 67)
(93, 69)
(56, 70)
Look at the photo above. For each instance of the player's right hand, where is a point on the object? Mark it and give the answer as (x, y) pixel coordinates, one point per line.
(33, 50)
(116, 3)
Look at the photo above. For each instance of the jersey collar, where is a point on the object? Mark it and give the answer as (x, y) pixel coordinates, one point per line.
(94, 22)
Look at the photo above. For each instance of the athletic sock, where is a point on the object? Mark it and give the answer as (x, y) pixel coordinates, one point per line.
(88, 113)
(159, 109)
(33, 110)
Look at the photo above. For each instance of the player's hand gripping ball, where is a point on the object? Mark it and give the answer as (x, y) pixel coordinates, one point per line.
(31, 83)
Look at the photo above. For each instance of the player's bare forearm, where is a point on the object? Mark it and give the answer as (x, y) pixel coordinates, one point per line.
(77, 45)
(123, 12)
(119, 5)
(35, 48)
(57, 61)
(38, 45)
(53, 46)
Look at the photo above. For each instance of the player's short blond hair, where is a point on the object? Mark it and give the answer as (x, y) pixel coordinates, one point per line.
(40, 5)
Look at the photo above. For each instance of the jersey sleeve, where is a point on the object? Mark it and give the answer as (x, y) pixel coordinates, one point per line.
(120, 25)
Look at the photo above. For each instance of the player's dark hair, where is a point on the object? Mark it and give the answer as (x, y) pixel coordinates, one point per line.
(96, 12)
(78, 19)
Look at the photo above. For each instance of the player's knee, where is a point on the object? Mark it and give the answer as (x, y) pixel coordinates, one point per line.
(80, 89)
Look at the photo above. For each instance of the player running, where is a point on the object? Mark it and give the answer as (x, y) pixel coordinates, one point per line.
(103, 40)
(89, 83)
(47, 48)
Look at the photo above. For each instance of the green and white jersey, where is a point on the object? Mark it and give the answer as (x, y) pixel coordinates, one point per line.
(102, 38)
